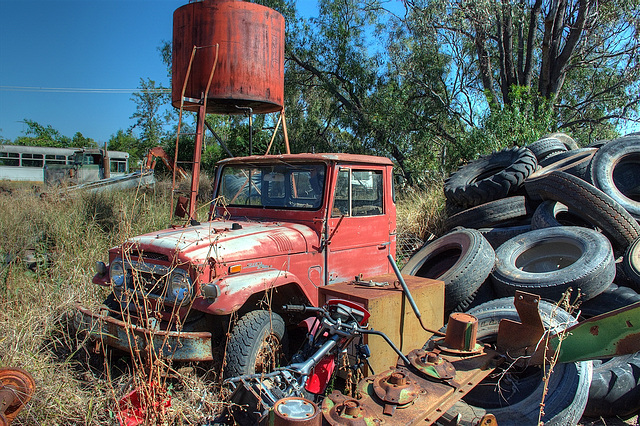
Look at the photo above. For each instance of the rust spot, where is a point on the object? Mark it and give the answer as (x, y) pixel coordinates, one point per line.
(594, 330)
(629, 324)
(628, 345)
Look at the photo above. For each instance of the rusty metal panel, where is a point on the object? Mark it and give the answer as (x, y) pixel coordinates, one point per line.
(250, 68)
(391, 313)
(401, 396)
(611, 334)
(179, 346)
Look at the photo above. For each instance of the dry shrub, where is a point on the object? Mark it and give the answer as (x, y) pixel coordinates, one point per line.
(420, 218)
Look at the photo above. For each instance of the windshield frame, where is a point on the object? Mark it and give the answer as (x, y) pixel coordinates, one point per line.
(281, 185)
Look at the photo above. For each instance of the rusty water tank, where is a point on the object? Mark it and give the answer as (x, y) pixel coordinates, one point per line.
(250, 67)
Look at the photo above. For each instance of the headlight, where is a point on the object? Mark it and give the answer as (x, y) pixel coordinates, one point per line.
(179, 286)
(117, 272)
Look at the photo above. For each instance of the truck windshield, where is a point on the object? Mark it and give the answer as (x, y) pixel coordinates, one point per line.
(288, 186)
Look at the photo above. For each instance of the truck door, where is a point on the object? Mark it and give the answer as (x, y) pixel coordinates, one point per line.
(359, 233)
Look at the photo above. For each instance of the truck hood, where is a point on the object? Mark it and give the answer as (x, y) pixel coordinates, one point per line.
(228, 241)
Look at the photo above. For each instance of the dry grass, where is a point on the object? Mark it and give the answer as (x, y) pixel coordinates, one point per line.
(49, 247)
(421, 215)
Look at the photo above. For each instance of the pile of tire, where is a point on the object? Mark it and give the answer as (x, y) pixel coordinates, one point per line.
(551, 219)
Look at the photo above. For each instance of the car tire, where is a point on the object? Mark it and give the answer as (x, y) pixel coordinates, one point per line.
(567, 140)
(544, 147)
(517, 401)
(256, 335)
(631, 265)
(500, 234)
(553, 213)
(615, 170)
(549, 261)
(462, 259)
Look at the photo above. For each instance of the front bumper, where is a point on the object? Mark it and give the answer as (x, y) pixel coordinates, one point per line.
(175, 345)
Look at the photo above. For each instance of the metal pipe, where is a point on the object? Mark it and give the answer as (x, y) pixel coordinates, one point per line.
(408, 294)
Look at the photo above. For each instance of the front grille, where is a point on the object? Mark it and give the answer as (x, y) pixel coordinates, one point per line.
(148, 278)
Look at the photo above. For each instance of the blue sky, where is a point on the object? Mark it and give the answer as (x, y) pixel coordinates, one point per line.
(81, 44)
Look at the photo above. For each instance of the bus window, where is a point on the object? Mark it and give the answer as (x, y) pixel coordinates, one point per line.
(9, 159)
(32, 160)
(55, 159)
(118, 166)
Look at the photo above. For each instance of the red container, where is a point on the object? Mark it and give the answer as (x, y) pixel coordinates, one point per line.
(250, 66)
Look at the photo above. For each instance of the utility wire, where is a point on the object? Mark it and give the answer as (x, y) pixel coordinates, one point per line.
(77, 90)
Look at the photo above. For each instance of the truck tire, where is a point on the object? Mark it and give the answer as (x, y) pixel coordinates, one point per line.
(549, 261)
(615, 169)
(255, 344)
(515, 400)
(615, 388)
(462, 259)
(589, 203)
(490, 214)
(490, 177)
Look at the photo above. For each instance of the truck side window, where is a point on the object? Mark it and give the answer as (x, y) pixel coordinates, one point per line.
(366, 187)
(358, 193)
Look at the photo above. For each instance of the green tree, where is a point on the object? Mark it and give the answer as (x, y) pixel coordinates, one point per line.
(79, 141)
(40, 135)
(126, 141)
(148, 117)
(578, 56)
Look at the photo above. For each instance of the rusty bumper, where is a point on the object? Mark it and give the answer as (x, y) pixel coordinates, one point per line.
(176, 345)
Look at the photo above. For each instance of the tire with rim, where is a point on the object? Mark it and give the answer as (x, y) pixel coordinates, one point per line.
(549, 261)
(514, 396)
(490, 177)
(615, 169)
(463, 259)
(589, 203)
(615, 387)
(492, 213)
(255, 344)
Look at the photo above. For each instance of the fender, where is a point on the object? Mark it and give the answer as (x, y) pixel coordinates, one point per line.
(236, 289)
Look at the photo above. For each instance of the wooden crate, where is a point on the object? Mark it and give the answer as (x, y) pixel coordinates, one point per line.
(392, 314)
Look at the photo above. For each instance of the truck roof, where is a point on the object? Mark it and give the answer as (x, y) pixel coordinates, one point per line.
(326, 157)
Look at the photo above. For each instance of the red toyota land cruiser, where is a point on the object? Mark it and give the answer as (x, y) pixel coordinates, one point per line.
(280, 227)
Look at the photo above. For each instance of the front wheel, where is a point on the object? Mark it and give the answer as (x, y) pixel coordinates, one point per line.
(255, 344)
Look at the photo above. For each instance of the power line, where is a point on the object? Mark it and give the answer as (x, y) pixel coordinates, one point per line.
(77, 90)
